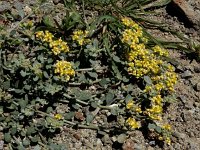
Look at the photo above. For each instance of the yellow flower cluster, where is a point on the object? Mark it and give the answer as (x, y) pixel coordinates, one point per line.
(131, 106)
(57, 46)
(132, 123)
(154, 112)
(64, 69)
(167, 127)
(80, 37)
(163, 81)
(58, 116)
(143, 61)
(160, 51)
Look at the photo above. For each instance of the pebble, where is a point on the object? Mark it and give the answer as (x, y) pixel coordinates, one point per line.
(1, 144)
(193, 145)
(77, 145)
(138, 147)
(197, 87)
(121, 138)
(179, 68)
(152, 143)
(183, 98)
(179, 135)
(190, 68)
(106, 139)
(99, 144)
(177, 146)
(197, 69)
(186, 74)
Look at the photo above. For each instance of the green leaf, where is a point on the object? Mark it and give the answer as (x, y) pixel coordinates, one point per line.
(35, 139)
(158, 129)
(30, 130)
(23, 73)
(48, 21)
(7, 137)
(13, 130)
(26, 142)
(151, 126)
(109, 98)
(22, 103)
(49, 110)
(6, 85)
(27, 87)
(128, 98)
(116, 58)
(93, 74)
(82, 95)
(147, 79)
(69, 115)
(21, 147)
(37, 147)
(104, 81)
(45, 74)
(114, 111)
(94, 104)
(89, 118)
(36, 78)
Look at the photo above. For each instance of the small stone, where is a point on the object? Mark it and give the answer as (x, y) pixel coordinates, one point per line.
(193, 145)
(179, 135)
(114, 139)
(190, 68)
(88, 144)
(138, 147)
(56, 1)
(179, 68)
(1, 144)
(152, 143)
(197, 104)
(121, 138)
(150, 148)
(99, 144)
(186, 74)
(197, 69)
(106, 139)
(177, 146)
(183, 99)
(186, 9)
(78, 145)
(197, 87)
(128, 145)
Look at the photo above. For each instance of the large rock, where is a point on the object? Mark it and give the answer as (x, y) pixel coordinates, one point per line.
(189, 12)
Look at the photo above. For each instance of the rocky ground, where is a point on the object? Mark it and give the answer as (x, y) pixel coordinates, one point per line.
(184, 115)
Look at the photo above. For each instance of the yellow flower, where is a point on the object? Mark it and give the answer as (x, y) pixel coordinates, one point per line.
(48, 37)
(160, 138)
(39, 34)
(155, 109)
(167, 127)
(64, 68)
(57, 46)
(129, 105)
(157, 99)
(168, 141)
(138, 109)
(132, 123)
(80, 37)
(158, 50)
(58, 116)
